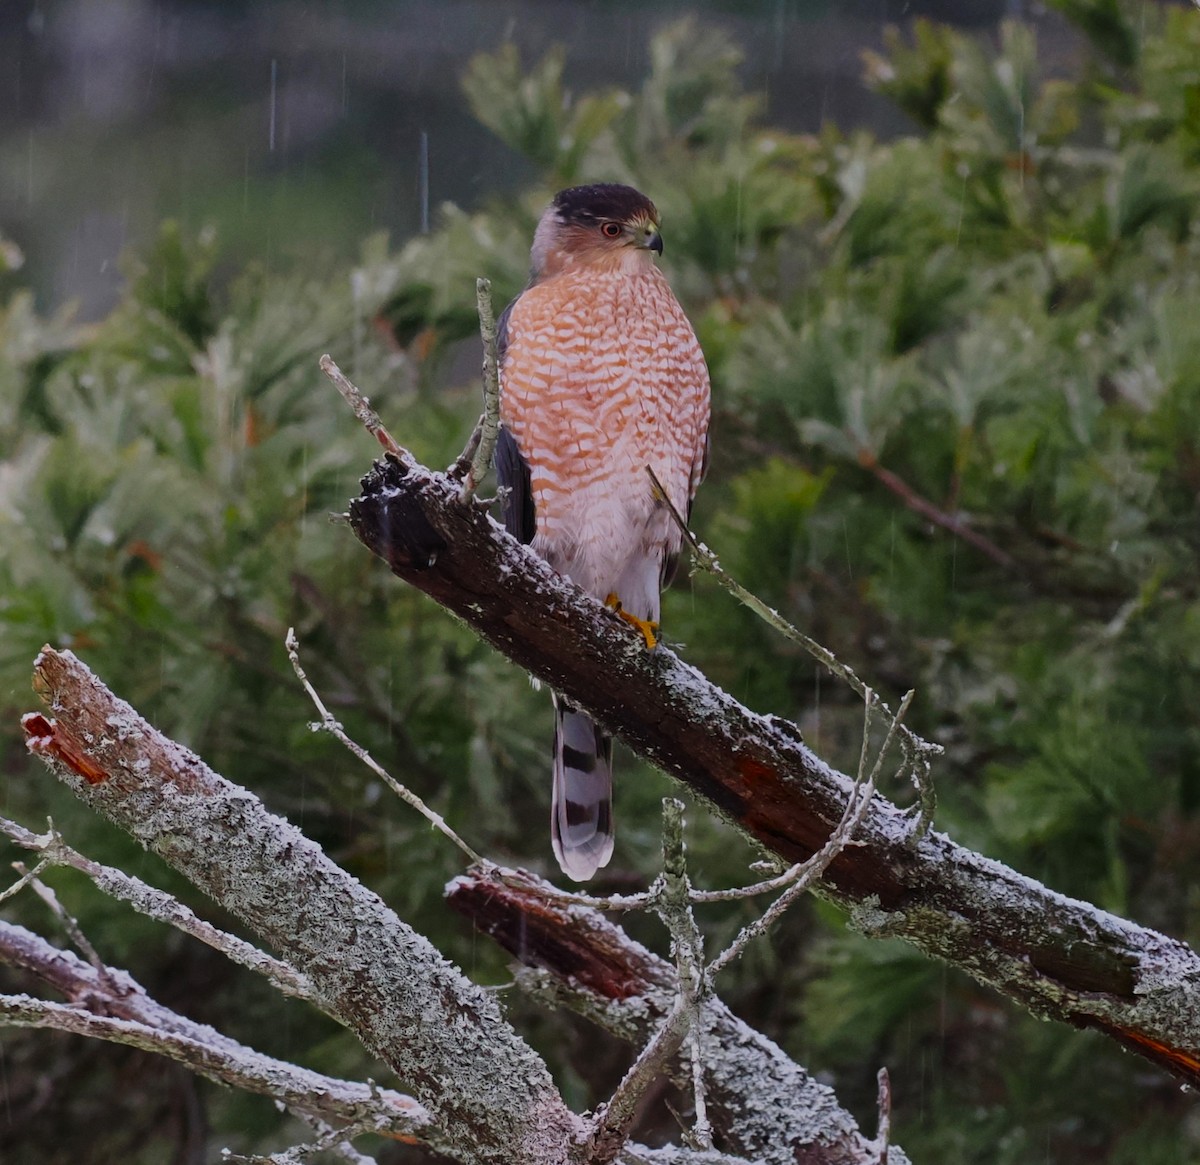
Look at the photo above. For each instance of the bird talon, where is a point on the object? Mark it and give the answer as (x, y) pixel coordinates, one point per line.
(647, 627)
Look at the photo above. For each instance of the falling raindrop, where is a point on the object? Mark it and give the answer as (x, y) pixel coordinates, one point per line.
(304, 491)
(423, 180)
(274, 76)
(816, 709)
(153, 70)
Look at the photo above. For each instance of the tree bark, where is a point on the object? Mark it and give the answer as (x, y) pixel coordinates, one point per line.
(111, 1005)
(480, 1094)
(489, 1096)
(1058, 957)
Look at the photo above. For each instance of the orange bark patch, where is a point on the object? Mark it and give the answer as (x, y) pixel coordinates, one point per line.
(754, 772)
(1183, 1062)
(44, 738)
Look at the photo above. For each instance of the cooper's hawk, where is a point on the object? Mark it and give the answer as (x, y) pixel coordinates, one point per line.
(601, 376)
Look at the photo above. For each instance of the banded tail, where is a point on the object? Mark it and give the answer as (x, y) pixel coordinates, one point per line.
(581, 822)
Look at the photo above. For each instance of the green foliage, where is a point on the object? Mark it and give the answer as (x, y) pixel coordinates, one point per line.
(992, 323)
(1109, 24)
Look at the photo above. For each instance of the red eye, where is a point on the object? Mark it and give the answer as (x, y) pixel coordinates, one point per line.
(611, 230)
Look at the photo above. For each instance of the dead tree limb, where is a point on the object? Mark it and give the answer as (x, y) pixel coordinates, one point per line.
(481, 1093)
(763, 1105)
(113, 1006)
(488, 1094)
(1058, 957)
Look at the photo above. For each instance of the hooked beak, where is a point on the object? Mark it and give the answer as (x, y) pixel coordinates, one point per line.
(651, 240)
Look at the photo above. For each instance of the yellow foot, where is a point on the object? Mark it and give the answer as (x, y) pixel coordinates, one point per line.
(648, 629)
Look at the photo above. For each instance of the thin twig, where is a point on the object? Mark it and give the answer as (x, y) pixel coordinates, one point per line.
(613, 1120)
(884, 1135)
(362, 409)
(329, 1140)
(953, 523)
(330, 724)
(805, 873)
(520, 880)
(701, 1133)
(460, 468)
(918, 752)
(674, 905)
(67, 921)
(489, 423)
(159, 905)
(27, 876)
(215, 1057)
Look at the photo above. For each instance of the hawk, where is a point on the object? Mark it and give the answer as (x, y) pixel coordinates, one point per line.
(601, 376)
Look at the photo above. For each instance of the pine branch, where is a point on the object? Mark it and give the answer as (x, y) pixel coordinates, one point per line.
(1057, 957)
(955, 524)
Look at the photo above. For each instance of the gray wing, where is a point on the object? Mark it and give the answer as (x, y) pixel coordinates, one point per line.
(512, 470)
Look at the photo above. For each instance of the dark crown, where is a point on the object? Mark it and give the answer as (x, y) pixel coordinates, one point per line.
(604, 202)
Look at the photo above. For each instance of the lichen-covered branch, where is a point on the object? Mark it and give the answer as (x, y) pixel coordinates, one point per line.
(489, 1096)
(159, 905)
(1058, 957)
(762, 1105)
(111, 1005)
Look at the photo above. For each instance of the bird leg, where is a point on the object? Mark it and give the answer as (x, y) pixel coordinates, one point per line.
(647, 627)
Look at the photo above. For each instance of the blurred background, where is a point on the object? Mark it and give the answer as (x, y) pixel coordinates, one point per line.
(944, 263)
(297, 128)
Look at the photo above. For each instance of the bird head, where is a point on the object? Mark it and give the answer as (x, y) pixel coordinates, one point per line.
(589, 224)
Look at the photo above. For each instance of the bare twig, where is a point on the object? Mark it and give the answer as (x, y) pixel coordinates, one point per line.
(672, 901)
(489, 423)
(884, 1104)
(918, 752)
(330, 724)
(27, 876)
(297, 1088)
(159, 905)
(615, 1118)
(109, 1004)
(69, 923)
(804, 874)
(953, 523)
(674, 904)
(701, 1133)
(329, 1140)
(523, 880)
(362, 409)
